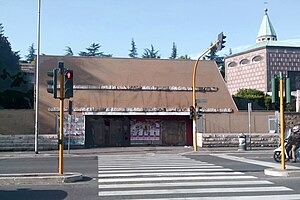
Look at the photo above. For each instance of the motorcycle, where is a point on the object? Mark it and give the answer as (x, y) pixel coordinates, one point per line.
(287, 149)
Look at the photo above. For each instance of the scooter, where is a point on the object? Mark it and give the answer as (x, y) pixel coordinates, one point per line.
(287, 152)
(277, 153)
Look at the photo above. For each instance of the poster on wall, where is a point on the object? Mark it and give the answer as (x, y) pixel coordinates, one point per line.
(74, 129)
(145, 132)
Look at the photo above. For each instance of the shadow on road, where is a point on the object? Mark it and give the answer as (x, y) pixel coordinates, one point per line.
(28, 194)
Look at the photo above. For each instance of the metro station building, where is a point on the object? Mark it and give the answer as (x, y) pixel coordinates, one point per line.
(126, 101)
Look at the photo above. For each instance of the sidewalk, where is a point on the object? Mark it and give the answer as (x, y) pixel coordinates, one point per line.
(130, 150)
(39, 178)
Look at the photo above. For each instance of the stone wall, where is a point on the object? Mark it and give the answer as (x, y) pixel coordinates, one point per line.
(292, 119)
(27, 142)
(232, 140)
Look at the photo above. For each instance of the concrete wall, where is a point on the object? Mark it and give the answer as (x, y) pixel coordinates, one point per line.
(237, 122)
(219, 129)
(16, 122)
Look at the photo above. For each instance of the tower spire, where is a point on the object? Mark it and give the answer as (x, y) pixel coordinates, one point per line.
(266, 31)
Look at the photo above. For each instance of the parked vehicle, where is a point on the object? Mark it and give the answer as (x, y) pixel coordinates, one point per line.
(287, 149)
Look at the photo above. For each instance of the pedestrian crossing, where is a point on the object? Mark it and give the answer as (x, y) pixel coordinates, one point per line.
(175, 177)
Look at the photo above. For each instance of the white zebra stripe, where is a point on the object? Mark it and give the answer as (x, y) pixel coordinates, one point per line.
(158, 167)
(163, 174)
(256, 197)
(164, 170)
(139, 179)
(192, 191)
(185, 184)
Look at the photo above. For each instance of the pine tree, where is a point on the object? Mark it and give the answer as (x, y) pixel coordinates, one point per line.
(69, 51)
(150, 53)
(15, 91)
(184, 57)
(174, 52)
(133, 51)
(93, 50)
(212, 55)
(31, 53)
(9, 60)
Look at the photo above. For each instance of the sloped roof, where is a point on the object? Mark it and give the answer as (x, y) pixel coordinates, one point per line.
(114, 73)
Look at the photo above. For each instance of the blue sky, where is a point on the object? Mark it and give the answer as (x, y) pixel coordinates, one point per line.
(191, 24)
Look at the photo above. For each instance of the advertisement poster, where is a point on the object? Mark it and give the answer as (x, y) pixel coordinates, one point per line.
(74, 129)
(144, 131)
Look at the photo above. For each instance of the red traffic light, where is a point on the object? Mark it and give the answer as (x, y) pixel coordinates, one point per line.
(69, 74)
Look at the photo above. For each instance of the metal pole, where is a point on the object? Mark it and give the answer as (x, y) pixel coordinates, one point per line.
(61, 127)
(282, 122)
(37, 82)
(249, 119)
(69, 131)
(194, 95)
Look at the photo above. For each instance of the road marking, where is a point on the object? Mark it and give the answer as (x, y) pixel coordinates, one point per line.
(255, 162)
(165, 170)
(192, 191)
(139, 179)
(163, 174)
(261, 197)
(104, 168)
(185, 184)
(174, 176)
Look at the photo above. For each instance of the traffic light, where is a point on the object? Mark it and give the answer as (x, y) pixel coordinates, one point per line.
(222, 41)
(198, 109)
(288, 90)
(68, 80)
(192, 112)
(275, 89)
(52, 83)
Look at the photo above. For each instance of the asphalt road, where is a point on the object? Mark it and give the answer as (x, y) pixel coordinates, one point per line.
(87, 164)
(86, 189)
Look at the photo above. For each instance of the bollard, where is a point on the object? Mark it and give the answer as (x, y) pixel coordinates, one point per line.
(242, 142)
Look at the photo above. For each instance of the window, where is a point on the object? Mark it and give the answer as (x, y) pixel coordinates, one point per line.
(244, 62)
(257, 58)
(232, 64)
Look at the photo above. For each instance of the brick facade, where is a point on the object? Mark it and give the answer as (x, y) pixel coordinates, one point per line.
(254, 69)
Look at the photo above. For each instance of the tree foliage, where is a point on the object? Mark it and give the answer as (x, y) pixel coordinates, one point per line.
(14, 85)
(151, 53)
(133, 51)
(212, 55)
(249, 93)
(184, 57)
(93, 50)
(31, 53)
(254, 95)
(68, 51)
(174, 52)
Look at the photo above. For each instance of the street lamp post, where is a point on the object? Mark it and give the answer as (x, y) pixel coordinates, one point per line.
(37, 81)
(219, 43)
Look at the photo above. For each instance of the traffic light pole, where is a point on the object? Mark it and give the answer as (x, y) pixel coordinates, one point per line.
(61, 123)
(194, 94)
(282, 121)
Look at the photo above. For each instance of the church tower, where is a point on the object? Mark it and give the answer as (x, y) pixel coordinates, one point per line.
(266, 31)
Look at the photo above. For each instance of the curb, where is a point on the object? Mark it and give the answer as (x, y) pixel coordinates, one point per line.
(282, 173)
(39, 178)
